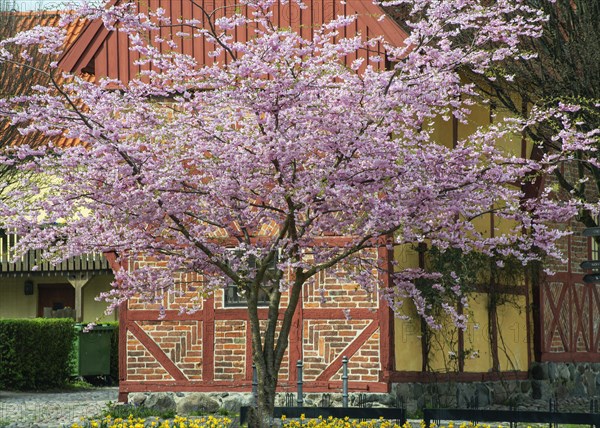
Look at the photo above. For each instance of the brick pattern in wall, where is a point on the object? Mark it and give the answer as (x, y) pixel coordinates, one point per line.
(141, 364)
(325, 340)
(211, 349)
(230, 350)
(332, 288)
(576, 246)
(570, 324)
(284, 371)
(553, 308)
(179, 297)
(364, 365)
(181, 342)
(571, 319)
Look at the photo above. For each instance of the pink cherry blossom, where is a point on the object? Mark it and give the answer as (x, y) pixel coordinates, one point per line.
(255, 163)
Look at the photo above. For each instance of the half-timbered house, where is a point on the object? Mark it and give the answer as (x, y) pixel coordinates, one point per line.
(553, 320)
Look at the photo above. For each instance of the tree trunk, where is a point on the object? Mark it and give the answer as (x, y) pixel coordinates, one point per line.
(261, 416)
(268, 348)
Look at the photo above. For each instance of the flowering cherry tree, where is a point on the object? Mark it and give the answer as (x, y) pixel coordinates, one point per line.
(232, 169)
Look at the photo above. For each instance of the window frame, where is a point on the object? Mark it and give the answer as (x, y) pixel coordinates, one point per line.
(232, 290)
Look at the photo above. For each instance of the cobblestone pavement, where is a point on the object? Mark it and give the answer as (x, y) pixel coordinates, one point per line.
(52, 409)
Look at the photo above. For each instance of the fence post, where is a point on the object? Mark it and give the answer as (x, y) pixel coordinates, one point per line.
(426, 418)
(254, 384)
(400, 403)
(552, 407)
(299, 399)
(513, 408)
(289, 399)
(345, 382)
(594, 408)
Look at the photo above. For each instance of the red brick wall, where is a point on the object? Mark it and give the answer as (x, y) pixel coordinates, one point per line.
(345, 323)
(181, 341)
(230, 350)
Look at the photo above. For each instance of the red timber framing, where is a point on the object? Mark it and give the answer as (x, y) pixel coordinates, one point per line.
(566, 323)
(210, 350)
(570, 310)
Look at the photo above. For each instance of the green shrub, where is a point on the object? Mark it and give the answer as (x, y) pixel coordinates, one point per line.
(114, 351)
(35, 353)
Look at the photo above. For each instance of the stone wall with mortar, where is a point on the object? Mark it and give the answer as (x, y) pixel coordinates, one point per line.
(571, 385)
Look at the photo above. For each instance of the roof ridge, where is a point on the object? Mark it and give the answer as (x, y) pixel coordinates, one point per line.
(31, 12)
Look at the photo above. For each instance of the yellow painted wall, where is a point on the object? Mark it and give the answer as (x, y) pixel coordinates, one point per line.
(444, 344)
(512, 337)
(91, 308)
(406, 256)
(444, 347)
(407, 340)
(13, 301)
(441, 131)
(407, 332)
(478, 355)
(15, 304)
(512, 334)
(511, 143)
(480, 116)
(483, 224)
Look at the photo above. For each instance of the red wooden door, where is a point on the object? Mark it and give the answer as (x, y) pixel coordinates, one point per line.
(55, 296)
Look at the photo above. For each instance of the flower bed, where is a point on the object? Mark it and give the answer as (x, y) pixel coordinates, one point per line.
(177, 422)
(224, 422)
(332, 422)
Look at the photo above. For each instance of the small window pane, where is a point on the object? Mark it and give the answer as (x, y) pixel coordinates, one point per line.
(233, 297)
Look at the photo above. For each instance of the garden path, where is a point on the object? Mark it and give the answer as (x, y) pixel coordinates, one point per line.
(52, 409)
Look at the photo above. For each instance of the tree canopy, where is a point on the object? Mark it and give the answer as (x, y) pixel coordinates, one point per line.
(231, 168)
(565, 69)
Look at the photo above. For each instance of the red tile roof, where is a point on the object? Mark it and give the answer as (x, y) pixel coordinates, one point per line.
(106, 53)
(16, 80)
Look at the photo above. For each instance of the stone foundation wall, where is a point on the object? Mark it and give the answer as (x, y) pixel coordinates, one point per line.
(571, 385)
(210, 402)
(563, 380)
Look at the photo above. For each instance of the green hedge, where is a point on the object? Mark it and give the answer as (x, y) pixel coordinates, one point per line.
(35, 353)
(114, 351)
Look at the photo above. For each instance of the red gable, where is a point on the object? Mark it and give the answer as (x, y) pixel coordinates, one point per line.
(106, 53)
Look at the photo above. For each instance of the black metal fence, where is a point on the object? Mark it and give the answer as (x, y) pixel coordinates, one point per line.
(511, 416)
(397, 414)
(325, 410)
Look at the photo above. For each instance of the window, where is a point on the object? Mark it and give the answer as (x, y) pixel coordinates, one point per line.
(232, 295)
(234, 299)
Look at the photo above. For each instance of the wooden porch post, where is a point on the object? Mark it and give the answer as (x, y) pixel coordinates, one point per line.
(78, 281)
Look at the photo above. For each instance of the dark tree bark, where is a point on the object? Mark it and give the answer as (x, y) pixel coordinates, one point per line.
(567, 69)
